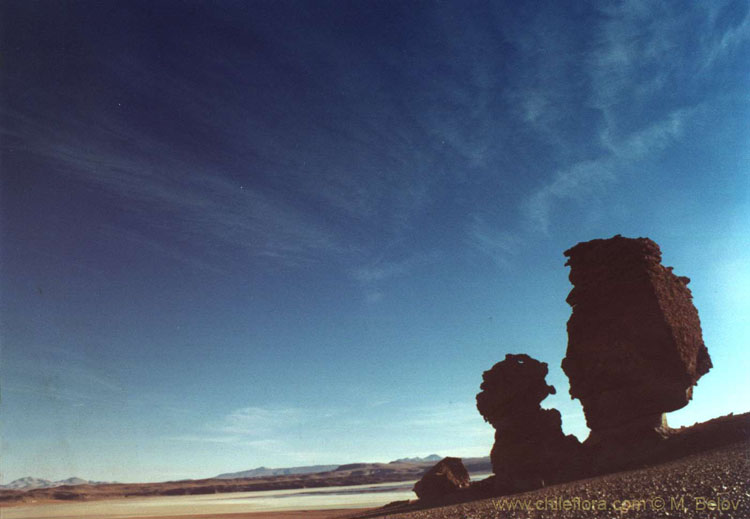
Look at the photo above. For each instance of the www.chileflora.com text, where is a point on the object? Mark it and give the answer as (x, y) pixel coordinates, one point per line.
(717, 503)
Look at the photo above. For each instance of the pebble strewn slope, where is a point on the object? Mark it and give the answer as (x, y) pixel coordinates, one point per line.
(713, 484)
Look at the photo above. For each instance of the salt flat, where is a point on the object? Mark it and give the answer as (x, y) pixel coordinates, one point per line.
(344, 497)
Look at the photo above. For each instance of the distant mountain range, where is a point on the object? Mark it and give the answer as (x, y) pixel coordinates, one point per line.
(431, 458)
(472, 464)
(262, 472)
(29, 483)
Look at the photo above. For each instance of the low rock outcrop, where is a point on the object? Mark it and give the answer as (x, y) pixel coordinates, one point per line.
(635, 348)
(530, 448)
(447, 477)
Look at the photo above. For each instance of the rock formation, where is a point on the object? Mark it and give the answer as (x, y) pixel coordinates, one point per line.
(530, 448)
(447, 477)
(635, 348)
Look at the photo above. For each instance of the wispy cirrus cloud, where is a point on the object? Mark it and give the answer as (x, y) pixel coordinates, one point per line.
(179, 201)
(275, 435)
(579, 181)
(373, 275)
(452, 429)
(260, 444)
(630, 68)
(736, 32)
(379, 271)
(321, 435)
(207, 170)
(499, 245)
(261, 421)
(61, 374)
(591, 178)
(457, 415)
(257, 426)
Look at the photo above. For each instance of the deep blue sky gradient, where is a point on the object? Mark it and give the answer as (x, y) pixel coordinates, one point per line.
(282, 233)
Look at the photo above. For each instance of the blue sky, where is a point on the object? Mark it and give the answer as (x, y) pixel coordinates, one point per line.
(282, 233)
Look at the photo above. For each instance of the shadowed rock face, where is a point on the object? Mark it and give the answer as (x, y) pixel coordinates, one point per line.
(530, 448)
(635, 348)
(447, 477)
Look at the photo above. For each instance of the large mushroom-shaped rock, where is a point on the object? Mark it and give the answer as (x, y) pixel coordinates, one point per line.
(635, 348)
(530, 448)
(447, 477)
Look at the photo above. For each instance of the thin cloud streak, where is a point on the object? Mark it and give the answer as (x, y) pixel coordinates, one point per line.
(261, 421)
(61, 374)
(629, 38)
(201, 205)
(256, 426)
(372, 276)
(500, 246)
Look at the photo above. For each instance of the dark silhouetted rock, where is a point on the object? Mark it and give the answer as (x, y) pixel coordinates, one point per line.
(530, 448)
(447, 477)
(635, 348)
